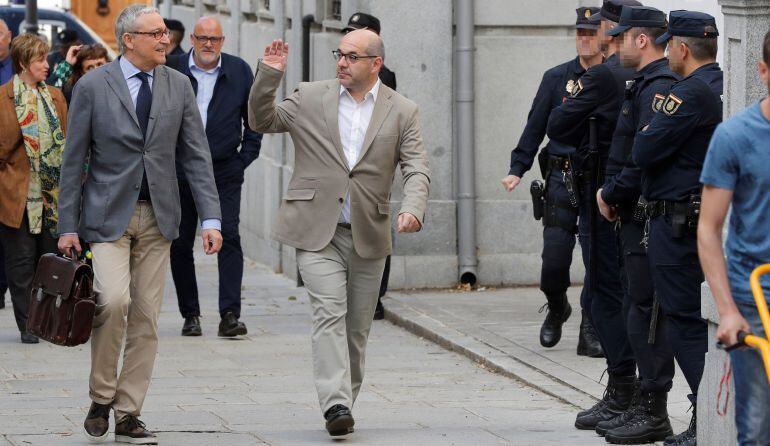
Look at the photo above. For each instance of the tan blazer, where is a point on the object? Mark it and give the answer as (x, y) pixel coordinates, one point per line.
(313, 204)
(14, 163)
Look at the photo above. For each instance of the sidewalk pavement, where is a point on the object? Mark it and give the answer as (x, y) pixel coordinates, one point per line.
(258, 390)
(499, 328)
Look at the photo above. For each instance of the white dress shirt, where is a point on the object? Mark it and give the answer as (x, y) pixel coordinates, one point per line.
(207, 79)
(353, 118)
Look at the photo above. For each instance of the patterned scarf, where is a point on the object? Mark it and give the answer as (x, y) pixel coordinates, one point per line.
(44, 143)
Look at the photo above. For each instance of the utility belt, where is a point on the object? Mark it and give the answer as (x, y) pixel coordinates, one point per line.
(545, 208)
(683, 214)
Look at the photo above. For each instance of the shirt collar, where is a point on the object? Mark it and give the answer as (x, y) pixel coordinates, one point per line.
(191, 64)
(130, 70)
(374, 91)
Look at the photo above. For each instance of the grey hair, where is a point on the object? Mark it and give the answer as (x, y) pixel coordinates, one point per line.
(125, 21)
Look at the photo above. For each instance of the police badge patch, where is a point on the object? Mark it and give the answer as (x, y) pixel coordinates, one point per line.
(671, 105)
(577, 88)
(657, 102)
(570, 86)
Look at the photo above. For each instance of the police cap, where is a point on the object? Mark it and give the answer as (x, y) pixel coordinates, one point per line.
(611, 9)
(584, 18)
(362, 20)
(639, 17)
(689, 24)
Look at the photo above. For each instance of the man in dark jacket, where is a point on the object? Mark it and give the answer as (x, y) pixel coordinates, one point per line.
(362, 20)
(221, 83)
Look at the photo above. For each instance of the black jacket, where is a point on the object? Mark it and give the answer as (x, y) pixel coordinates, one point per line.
(228, 116)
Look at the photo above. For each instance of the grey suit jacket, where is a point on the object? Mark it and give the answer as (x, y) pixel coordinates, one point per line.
(321, 179)
(105, 130)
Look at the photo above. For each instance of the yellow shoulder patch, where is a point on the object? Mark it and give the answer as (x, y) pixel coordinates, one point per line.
(672, 104)
(657, 102)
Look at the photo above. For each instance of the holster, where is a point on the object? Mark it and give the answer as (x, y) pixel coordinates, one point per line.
(537, 190)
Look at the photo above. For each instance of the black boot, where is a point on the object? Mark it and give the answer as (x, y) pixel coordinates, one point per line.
(603, 426)
(588, 342)
(688, 437)
(617, 399)
(559, 311)
(649, 424)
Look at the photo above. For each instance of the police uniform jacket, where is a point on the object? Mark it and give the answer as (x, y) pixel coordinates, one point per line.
(557, 84)
(671, 151)
(644, 96)
(598, 93)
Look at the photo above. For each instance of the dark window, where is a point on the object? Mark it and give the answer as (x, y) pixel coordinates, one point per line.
(266, 4)
(337, 9)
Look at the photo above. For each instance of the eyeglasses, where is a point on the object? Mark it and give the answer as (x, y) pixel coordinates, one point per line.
(213, 39)
(157, 35)
(351, 58)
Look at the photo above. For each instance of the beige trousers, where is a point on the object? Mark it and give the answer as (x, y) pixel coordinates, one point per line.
(343, 289)
(129, 278)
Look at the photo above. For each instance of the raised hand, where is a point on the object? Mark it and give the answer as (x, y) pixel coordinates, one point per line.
(276, 55)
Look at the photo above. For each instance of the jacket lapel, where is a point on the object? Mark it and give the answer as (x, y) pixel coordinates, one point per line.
(331, 104)
(381, 108)
(159, 90)
(117, 83)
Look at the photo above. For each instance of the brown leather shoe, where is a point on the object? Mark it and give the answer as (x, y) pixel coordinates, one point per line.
(97, 423)
(131, 430)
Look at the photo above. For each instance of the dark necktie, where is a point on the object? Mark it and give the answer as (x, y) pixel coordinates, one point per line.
(143, 104)
(143, 101)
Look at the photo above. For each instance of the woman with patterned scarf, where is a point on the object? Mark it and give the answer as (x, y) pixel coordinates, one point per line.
(33, 121)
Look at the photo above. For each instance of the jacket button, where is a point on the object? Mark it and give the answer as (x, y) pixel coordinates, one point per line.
(342, 200)
(350, 175)
(136, 186)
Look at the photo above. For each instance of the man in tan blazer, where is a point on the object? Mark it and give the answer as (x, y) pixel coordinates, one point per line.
(349, 135)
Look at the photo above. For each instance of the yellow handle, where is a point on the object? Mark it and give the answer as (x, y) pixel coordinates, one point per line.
(759, 296)
(764, 347)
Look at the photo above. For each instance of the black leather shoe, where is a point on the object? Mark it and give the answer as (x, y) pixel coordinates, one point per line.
(559, 311)
(617, 399)
(588, 342)
(192, 326)
(649, 423)
(686, 438)
(230, 326)
(379, 312)
(29, 338)
(339, 420)
(131, 430)
(97, 423)
(603, 426)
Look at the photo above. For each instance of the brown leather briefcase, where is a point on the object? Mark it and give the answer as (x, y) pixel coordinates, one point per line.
(62, 304)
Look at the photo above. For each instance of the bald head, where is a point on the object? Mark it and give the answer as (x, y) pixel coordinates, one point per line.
(369, 42)
(206, 25)
(5, 40)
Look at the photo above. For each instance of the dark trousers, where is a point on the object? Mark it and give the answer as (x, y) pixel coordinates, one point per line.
(3, 280)
(654, 360)
(22, 252)
(677, 276)
(385, 277)
(558, 239)
(229, 258)
(605, 297)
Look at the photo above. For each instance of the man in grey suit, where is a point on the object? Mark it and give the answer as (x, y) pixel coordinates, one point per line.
(132, 119)
(350, 134)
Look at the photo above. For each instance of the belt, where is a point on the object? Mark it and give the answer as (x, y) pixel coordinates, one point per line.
(665, 207)
(345, 225)
(558, 162)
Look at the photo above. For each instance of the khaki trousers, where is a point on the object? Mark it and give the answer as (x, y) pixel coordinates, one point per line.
(343, 291)
(129, 278)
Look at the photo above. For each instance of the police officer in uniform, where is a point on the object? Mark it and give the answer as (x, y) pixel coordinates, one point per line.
(670, 153)
(362, 20)
(560, 203)
(599, 94)
(647, 421)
